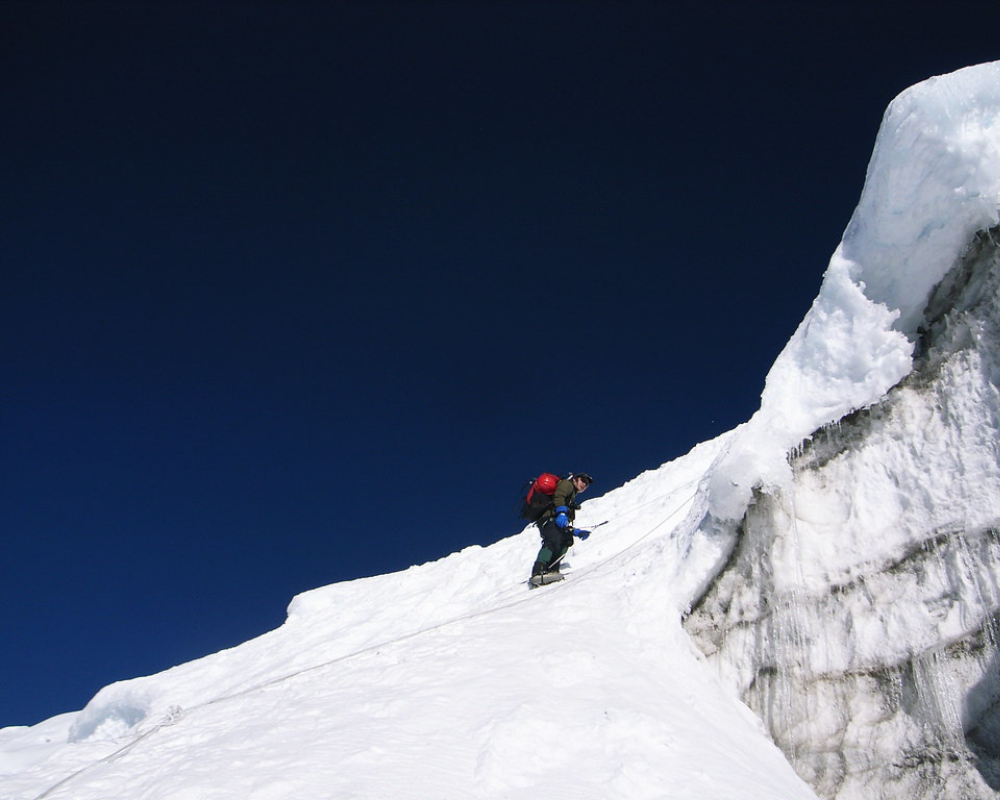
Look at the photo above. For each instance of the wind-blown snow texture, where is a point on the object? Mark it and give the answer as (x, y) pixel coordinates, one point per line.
(834, 548)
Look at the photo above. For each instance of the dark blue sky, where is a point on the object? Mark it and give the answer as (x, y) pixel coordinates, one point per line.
(298, 292)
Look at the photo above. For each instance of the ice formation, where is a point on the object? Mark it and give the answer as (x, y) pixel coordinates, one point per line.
(857, 613)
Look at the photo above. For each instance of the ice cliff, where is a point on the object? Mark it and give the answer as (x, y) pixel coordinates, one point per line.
(857, 611)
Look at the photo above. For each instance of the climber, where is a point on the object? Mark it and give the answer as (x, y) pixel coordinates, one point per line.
(556, 529)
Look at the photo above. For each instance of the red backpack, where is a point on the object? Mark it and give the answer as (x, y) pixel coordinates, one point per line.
(539, 496)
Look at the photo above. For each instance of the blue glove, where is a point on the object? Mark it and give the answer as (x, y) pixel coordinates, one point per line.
(581, 534)
(561, 519)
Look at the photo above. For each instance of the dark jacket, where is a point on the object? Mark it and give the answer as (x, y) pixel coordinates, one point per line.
(564, 495)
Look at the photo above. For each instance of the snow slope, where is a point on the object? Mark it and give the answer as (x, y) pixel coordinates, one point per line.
(448, 680)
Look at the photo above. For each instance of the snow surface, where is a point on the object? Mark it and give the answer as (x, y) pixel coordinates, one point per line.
(449, 680)
(452, 680)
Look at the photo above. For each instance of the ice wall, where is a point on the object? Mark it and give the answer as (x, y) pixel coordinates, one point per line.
(858, 611)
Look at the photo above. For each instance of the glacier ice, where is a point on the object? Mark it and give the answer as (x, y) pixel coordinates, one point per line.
(857, 612)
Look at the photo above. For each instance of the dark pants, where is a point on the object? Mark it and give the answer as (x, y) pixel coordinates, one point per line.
(555, 543)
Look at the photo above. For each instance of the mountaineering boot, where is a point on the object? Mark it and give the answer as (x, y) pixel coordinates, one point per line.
(546, 578)
(541, 576)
